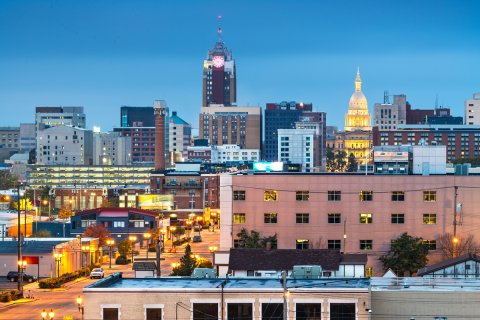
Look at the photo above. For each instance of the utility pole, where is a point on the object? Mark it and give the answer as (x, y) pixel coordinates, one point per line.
(20, 288)
(455, 223)
(345, 235)
(285, 293)
(25, 215)
(158, 247)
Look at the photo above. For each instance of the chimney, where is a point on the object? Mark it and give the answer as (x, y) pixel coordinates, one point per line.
(159, 109)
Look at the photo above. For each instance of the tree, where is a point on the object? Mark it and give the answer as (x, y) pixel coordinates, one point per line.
(8, 180)
(96, 230)
(179, 231)
(319, 244)
(22, 204)
(114, 202)
(65, 212)
(187, 264)
(203, 263)
(331, 165)
(41, 234)
(44, 194)
(340, 160)
(465, 244)
(124, 247)
(352, 163)
(405, 254)
(105, 204)
(253, 240)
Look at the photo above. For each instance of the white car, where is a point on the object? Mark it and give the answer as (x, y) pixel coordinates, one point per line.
(97, 273)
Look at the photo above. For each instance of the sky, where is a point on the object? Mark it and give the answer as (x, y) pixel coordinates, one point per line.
(105, 54)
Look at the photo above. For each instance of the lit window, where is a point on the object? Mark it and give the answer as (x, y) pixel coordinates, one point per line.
(302, 195)
(429, 195)
(366, 195)
(366, 244)
(270, 195)
(302, 243)
(239, 218)
(366, 218)
(429, 218)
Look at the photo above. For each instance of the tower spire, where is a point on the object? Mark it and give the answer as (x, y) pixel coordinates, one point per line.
(358, 81)
(219, 29)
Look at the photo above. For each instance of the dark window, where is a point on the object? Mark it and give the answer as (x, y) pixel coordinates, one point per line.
(110, 314)
(432, 244)
(272, 311)
(73, 224)
(334, 195)
(398, 218)
(270, 217)
(154, 314)
(250, 273)
(302, 195)
(334, 218)
(205, 311)
(302, 243)
(398, 195)
(366, 244)
(308, 311)
(342, 311)
(239, 195)
(240, 311)
(334, 244)
(303, 218)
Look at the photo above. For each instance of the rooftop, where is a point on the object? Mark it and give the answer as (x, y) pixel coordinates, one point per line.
(115, 282)
(425, 284)
(30, 247)
(448, 263)
(117, 212)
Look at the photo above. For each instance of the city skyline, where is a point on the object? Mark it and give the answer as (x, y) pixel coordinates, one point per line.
(84, 57)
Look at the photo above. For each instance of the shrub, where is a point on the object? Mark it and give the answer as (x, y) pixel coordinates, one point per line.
(121, 260)
(152, 248)
(8, 296)
(46, 283)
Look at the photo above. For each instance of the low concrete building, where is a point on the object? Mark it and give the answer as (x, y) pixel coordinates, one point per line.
(464, 266)
(234, 154)
(116, 297)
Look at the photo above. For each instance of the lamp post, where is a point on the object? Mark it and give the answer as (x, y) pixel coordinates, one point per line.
(172, 229)
(85, 249)
(189, 225)
(198, 224)
(80, 306)
(58, 259)
(132, 240)
(214, 216)
(110, 244)
(163, 231)
(22, 264)
(50, 314)
(147, 236)
(212, 250)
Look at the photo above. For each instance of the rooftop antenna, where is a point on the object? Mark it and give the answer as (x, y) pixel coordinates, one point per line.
(219, 29)
(386, 97)
(436, 104)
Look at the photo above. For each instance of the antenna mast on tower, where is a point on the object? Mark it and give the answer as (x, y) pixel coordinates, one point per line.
(219, 29)
(436, 104)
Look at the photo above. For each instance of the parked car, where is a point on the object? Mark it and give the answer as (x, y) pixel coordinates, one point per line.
(197, 238)
(198, 228)
(13, 276)
(97, 273)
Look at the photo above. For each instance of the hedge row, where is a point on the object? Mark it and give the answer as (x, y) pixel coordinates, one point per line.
(67, 277)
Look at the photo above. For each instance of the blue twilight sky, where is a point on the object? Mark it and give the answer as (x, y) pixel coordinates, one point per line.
(104, 54)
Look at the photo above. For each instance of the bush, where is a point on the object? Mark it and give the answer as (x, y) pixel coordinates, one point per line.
(46, 283)
(9, 296)
(152, 248)
(121, 260)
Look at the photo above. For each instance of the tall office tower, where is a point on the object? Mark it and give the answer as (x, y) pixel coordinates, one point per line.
(46, 117)
(283, 115)
(219, 75)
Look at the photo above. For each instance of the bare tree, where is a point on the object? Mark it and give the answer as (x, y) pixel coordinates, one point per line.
(465, 244)
(319, 244)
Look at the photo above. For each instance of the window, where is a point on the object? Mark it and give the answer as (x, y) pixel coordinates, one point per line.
(119, 224)
(205, 311)
(368, 272)
(303, 218)
(432, 244)
(270, 218)
(398, 218)
(136, 220)
(270, 195)
(366, 195)
(302, 243)
(429, 195)
(334, 195)
(429, 218)
(240, 311)
(308, 311)
(366, 218)
(110, 313)
(238, 195)
(302, 195)
(191, 193)
(334, 218)
(272, 311)
(239, 218)
(334, 244)
(398, 195)
(154, 314)
(366, 244)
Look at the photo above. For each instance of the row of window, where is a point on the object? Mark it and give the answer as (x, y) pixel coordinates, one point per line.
(336, 218)
(272, 195)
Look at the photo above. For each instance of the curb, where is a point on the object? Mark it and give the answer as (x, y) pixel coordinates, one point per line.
(18, 303)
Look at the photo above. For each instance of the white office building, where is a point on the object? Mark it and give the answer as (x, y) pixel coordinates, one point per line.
(233, 153)
(296, 146)
(111, 148)
(471, 114)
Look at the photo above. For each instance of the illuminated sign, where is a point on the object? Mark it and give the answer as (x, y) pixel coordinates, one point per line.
(268, 166)
(155, 201)
(96, 129)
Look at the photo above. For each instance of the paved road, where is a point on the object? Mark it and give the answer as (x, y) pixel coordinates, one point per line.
(64, 303)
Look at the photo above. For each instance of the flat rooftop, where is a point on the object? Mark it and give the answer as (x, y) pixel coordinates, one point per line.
(425, 284)
(115, 282)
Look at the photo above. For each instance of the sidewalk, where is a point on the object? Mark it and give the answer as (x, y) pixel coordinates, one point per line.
(19, 301)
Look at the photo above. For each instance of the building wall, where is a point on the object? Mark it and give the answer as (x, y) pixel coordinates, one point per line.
(10, 137)
(293, 145)
(132, 304)
(232, 153)
(199, 154)
(381, 231)
(27, 136)
(55, 116)
(180, 138)
(471, 111)
(129, 115)
(111, 146)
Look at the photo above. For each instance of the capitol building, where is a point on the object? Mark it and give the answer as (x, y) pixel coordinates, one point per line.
(356, 138)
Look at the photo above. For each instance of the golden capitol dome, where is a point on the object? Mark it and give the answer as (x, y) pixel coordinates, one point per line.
(358, 100)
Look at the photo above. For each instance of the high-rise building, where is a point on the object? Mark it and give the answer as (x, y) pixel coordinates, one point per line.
(283, 115)
(219, 75)
(180, 135)
(10, 137)
(46, 117)
(389, 116)
(129, 116)
(111, 148)
(232, 125)
(471, 110)
(27, 136)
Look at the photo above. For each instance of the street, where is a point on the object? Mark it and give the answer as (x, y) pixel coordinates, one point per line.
(63, 301)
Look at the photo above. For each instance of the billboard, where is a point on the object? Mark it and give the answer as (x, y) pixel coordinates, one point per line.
(268, 166)
(155, 201)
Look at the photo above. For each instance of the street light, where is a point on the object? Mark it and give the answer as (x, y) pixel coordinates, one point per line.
(51, 314)
(198, 224)
(58, 259)
(132, 240)
(172, 229)
(80, 306)
(212, 250)
(147, 236)
(175, 265)
(110, 243)
(194, 256)
(214, 214)
(22, 264)
(85, 249)
(163, 231)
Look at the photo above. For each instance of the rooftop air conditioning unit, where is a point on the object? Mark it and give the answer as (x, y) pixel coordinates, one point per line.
(306, 272)
(204, 273)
